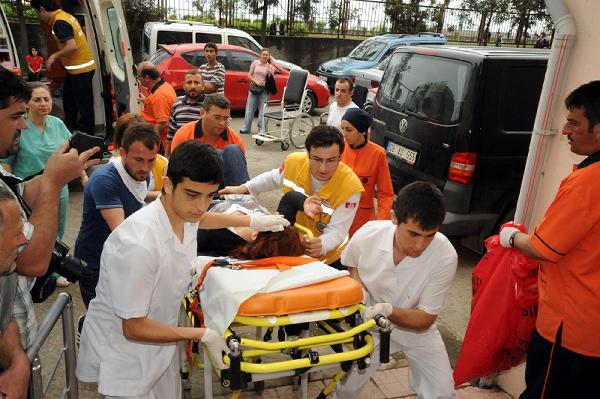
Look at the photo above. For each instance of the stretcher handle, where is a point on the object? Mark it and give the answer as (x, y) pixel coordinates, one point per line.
(305, 230)
(385, 332)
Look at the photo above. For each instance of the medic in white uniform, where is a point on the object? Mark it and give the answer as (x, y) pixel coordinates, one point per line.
(406, 267)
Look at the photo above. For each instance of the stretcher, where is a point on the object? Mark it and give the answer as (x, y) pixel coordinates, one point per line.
(333, 306)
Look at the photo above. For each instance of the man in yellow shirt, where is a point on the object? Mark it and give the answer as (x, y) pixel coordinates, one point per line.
(75, 55)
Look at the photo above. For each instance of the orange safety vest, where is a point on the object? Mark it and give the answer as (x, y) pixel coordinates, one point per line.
(81, 60)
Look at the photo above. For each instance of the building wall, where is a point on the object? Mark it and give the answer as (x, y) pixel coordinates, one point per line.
(583, 67)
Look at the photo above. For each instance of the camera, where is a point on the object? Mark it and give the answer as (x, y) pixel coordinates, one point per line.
(67, 266)
(83, 142)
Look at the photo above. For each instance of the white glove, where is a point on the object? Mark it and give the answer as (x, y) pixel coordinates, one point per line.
(215, 343)
(505, 234)
(260, 222)
(384, 309)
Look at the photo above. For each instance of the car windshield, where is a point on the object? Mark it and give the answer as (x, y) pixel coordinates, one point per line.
(367, 50)
(429, 87)
(158, 57)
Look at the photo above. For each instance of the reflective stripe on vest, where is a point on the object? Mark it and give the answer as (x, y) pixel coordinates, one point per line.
(74, 67)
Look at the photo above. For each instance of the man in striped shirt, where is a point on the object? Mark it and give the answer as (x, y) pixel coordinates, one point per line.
(187, 107)
(213, 72)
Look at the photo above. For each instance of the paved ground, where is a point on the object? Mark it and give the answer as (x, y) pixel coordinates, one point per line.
(391, 383)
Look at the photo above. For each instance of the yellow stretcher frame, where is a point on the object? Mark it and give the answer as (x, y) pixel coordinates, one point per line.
(280, 368)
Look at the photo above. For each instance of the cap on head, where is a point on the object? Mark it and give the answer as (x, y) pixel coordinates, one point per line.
(359, 118)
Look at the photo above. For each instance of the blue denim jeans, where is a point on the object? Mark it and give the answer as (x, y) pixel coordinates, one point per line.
(235, 167)
(252, 103)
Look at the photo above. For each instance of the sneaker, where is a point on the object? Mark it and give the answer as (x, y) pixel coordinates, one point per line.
(80, 322)
(62, 282)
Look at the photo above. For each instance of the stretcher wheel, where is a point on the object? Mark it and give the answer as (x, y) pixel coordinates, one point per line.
(285, 145)
(259, 142)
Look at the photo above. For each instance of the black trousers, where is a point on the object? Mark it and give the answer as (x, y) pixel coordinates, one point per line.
(554, 372)
(87, 284)
(78, 102)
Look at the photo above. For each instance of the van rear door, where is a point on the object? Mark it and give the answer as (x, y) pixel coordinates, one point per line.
(108, 22)
(8, 51)
(417, 113)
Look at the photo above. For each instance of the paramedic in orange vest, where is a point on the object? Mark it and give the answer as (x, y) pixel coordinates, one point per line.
(75, 55)
(563, 358)
(369, 161)
(319, 175)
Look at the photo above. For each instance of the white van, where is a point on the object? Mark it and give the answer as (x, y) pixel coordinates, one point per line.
(177, 32)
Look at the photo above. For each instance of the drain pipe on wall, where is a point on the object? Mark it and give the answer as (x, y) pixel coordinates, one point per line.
(562, 44)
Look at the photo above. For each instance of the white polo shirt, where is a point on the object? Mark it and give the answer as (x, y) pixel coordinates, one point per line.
(414, 283)
(144, 271)
(336, 113)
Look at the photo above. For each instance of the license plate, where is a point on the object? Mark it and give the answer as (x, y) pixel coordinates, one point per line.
(406, 154)
(323, 78)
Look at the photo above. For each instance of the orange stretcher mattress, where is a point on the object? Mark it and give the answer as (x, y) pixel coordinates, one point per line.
(332, 294)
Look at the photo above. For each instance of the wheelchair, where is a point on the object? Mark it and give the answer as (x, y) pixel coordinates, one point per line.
(290, 122)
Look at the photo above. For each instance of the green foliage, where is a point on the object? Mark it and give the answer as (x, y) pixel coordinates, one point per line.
(406, 18)
(137, 13)
(256, 6)
(10, 9)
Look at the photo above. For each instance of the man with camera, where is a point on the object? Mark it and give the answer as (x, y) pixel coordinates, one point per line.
(14, 365)
(38, 198)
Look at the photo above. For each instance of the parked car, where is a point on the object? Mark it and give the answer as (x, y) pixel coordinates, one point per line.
(370, 78)
(179, 32)
(461, 118)
(371, 51)
(173, 61)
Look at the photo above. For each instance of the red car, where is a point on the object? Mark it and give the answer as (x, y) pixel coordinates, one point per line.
(174, 60)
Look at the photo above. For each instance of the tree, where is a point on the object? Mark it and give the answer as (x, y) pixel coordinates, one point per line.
(405, 18)
(523, 10)
(488, 8)
(306, 9)
(258, 7)
(137, 13)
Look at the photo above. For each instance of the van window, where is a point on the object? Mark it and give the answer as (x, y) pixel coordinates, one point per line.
(390, 51)
(173, 37)
(113, 21)
(242, 60)
(202, 37)
(243, 42)
(521, 89)
(367, 50)
(429, 87)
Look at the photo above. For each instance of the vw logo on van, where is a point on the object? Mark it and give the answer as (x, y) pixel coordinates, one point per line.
(403, 125)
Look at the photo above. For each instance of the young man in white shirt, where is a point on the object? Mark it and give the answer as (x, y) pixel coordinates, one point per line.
(406, 267)
(344, 88)
(129, 339)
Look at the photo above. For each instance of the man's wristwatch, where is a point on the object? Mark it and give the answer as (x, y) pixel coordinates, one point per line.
(511, 239)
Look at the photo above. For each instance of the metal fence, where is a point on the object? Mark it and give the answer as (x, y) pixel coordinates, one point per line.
(61, 308)
(362, 18)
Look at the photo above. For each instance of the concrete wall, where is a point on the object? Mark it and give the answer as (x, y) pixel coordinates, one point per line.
(582, 68)
(308, 52)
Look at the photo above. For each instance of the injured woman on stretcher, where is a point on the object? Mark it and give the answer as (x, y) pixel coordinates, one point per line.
(244, 278)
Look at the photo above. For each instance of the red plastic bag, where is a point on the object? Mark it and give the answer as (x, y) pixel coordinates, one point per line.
(503, 312)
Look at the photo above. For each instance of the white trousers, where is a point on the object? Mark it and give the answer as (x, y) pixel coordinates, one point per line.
(429, 371)
(168, 385)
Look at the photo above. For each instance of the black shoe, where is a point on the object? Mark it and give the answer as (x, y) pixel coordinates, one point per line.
(244, 132)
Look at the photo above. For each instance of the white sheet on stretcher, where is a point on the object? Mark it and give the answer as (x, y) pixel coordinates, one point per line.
(224, 290)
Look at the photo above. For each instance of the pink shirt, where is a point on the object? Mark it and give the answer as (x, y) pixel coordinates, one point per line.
(261, 70)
